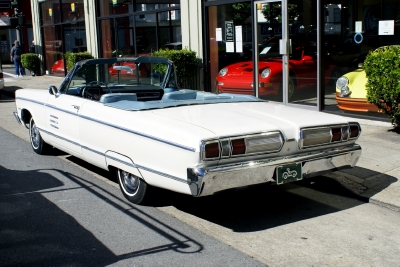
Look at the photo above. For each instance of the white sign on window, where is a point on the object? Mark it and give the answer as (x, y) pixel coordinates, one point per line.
(358, 26)
(218, 34)
(239, 40)
(386, 27)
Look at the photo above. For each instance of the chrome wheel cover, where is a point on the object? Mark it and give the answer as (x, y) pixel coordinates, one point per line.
(129, 181)
(35, 136)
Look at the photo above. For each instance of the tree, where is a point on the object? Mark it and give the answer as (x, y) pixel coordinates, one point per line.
(241, 13)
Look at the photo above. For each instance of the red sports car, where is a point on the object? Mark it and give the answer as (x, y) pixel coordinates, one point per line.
(58, 67)
(128, 69)
(238, 78)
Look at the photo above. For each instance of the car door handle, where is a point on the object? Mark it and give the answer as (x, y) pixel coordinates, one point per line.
(76, 107)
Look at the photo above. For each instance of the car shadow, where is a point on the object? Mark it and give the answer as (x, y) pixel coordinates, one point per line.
(261, 207)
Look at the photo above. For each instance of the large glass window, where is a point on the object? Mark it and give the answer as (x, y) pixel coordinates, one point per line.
(351, 30)
(114, 7)
(72, 10)
(52, 36)
(148, 27)
(229, 42)
(50, 11)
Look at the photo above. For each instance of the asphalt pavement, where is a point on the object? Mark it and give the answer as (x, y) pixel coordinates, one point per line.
(375, 178)
(314, 222)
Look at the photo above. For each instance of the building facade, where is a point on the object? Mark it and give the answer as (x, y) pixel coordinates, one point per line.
(313, 43)
(8, 33)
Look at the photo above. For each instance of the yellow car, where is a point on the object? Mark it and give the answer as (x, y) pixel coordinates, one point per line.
(351, 94)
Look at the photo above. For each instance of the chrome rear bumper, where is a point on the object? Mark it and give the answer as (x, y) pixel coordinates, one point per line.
(206, 181)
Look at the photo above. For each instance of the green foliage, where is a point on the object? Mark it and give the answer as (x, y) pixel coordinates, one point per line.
(31, 62)
(382, 68)
(72, 58)
(185, 62)
(273, 11)
(241, 13)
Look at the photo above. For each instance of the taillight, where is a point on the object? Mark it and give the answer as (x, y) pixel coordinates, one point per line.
(336, 134)
(354, 130)
(211, 150)
(251, 144)
(238, 147)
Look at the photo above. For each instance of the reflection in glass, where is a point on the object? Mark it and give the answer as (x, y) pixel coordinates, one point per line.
(50, 12)
(351, 30)
(52, 36)
(230, 41)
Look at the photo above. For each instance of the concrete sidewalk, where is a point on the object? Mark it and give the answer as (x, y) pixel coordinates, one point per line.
(376, 176)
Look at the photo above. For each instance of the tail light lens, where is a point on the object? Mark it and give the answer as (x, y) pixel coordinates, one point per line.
(336, 134)
(211, 150)
(238, 147)
(355, 130)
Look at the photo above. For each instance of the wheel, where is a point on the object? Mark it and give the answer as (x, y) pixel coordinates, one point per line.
(133, 188)
(37, 143)
(290, 89)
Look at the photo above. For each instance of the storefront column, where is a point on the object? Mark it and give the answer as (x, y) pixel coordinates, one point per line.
(91, 29)
(191, 17)
(37, 35)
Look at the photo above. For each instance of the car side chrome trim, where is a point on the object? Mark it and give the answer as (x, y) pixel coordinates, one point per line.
(59, 137)
(31, 100)
(114, 126)
(162, 174)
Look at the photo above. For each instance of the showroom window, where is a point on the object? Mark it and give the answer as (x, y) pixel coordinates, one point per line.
(63, 30)
(144, 29)
(351, 30)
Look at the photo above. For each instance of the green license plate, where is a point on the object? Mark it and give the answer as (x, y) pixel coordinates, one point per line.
(288, 173)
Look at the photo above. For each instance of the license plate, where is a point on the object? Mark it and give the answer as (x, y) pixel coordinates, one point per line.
(288, 173)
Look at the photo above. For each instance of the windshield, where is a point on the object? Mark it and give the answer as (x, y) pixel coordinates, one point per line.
(121, 74)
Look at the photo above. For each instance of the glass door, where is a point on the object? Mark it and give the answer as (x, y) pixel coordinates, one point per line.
(271, 48)
(286, 49)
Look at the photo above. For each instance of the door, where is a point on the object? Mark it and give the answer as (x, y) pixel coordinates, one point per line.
(286, 50)
(271, 48)
(62, 112)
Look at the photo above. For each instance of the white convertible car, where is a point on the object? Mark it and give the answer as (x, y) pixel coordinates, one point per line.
(126, 116)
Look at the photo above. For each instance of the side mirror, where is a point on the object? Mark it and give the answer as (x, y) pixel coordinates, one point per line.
(52, 90)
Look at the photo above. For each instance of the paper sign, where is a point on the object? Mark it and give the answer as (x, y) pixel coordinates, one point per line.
(218, 34)
(229, 35)
(230, 47)
(386, 27)
(358, 26)
(238, 39)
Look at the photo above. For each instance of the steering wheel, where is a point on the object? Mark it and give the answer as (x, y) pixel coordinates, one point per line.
(100, 83)
(94, 84)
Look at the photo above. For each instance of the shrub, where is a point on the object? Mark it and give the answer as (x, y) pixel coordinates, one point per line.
(72, 58)
(31, 62)
(382, 68)
(185, 62)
